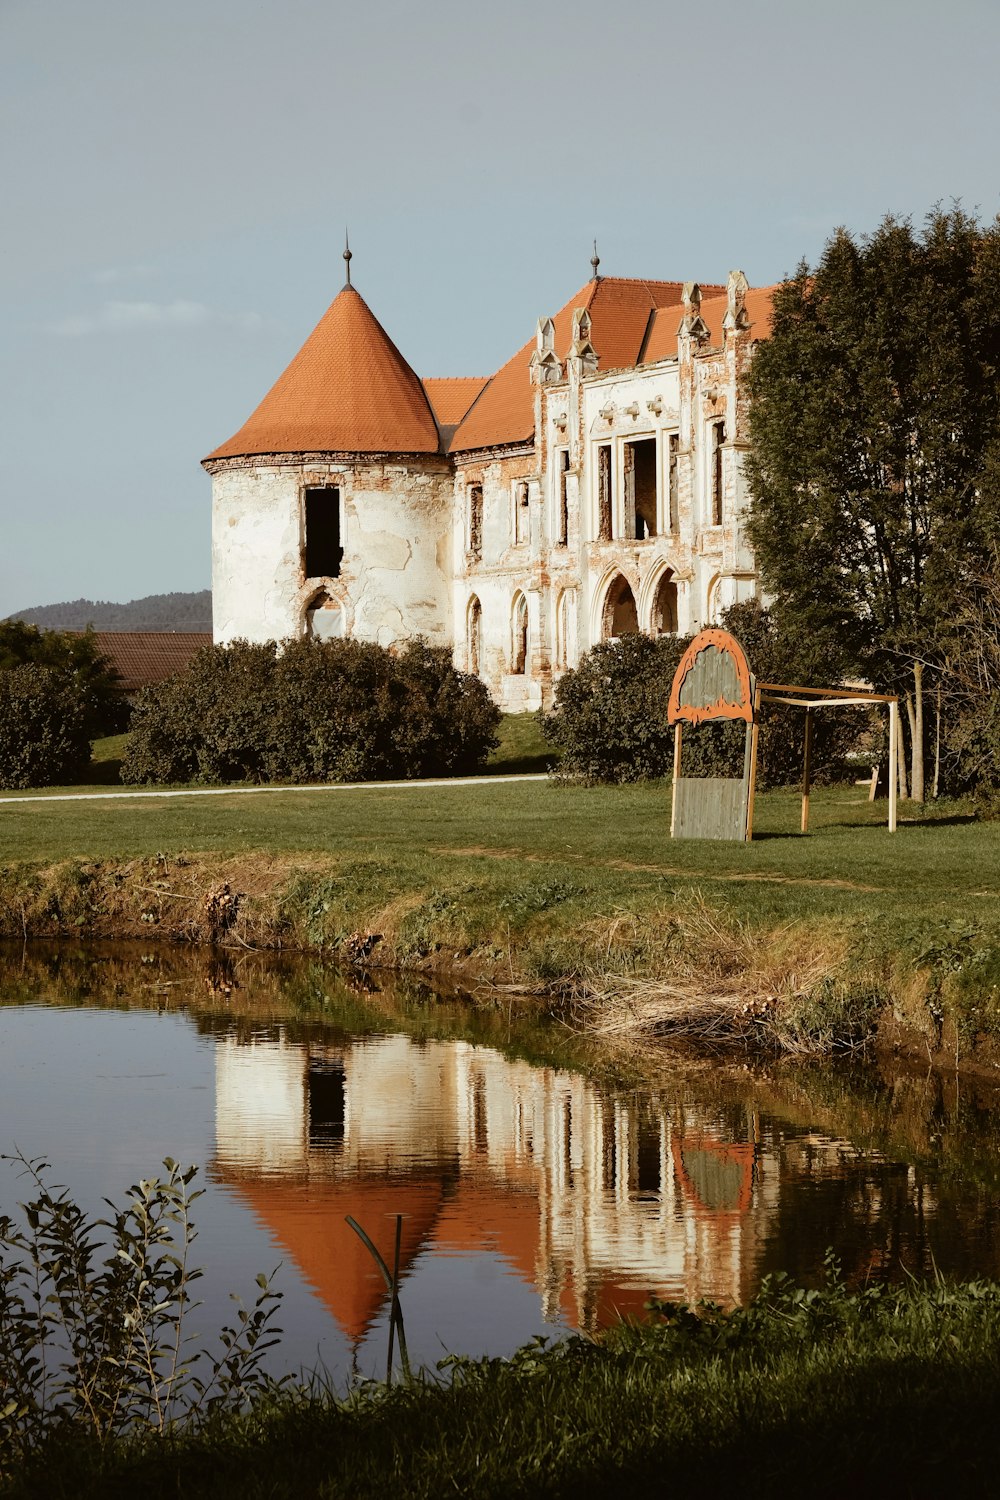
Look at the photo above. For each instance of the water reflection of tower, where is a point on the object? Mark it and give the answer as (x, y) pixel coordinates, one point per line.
(596, 1200)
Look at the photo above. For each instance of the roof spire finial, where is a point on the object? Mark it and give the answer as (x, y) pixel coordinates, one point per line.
(595, 261)
(347, 258)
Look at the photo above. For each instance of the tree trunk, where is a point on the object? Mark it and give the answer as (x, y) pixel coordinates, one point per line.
(917, 734)
(937, 743)
(901, 751)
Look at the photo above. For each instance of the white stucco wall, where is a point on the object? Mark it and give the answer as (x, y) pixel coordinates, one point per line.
(394, 579)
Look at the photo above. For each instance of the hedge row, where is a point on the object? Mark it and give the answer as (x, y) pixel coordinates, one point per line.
(306, 710)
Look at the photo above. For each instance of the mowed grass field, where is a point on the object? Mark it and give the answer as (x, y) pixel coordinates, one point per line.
(534, 882)
(611, 844)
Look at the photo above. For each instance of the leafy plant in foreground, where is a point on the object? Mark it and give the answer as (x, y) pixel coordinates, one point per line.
(92, 1318)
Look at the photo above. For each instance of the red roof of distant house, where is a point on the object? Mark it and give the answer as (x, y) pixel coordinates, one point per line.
(620, 311)
(144, 656)
(348, 390)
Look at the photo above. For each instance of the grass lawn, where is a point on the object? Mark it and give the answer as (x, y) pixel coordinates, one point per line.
(539, 880)
(610, 842)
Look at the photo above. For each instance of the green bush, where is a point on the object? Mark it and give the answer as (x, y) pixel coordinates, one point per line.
(44, 727)
(609, 717)
(93, 1315)
(311, 711)
(777, 654)
(75, 656)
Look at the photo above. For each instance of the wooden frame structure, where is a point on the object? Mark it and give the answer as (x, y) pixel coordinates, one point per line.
(713, 681)
(811, 699)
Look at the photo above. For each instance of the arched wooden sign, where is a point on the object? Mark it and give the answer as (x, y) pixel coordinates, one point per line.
(712, 681)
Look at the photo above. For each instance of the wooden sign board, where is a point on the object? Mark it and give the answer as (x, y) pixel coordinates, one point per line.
(712, 682)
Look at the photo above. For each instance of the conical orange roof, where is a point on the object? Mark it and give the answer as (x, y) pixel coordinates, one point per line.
(348, 390)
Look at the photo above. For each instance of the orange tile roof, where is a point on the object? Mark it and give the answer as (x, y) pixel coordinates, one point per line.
(661, 342)
(452, 395)
(348, 390)
(144, 656)
(620, 309)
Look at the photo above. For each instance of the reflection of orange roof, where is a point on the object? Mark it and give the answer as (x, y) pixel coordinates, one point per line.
(347, 390)
(614, 1302)
(308, 1220)
(478, 1218)
(661, 341)
(451, 396)
(715, 1176)
(620, 311)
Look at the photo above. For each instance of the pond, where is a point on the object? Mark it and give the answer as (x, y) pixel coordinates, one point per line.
(539, 1195)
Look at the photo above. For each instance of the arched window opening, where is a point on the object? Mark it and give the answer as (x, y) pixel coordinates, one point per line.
(620, 614)
(562, 631)
(475, 634)
(713, 601)
(324, 618)
(519, 642)
(664, 620)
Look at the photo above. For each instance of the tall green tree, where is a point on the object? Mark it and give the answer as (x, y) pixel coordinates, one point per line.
(873, 411)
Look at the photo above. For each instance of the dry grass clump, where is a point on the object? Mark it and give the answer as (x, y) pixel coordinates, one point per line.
(713, 980)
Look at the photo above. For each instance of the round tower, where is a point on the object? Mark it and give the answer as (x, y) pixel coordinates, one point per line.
(331, 507)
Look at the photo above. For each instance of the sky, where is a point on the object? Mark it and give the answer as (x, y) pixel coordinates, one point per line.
(175, 182)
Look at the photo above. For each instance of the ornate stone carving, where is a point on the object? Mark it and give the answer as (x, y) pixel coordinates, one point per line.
(692, 325)
(736, 293)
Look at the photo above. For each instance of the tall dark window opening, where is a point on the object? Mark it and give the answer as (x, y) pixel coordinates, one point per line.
(639, 464)
(604, 494)
(324, 552)
(327, 1103)
(522, 526)
(563, 519)
(673, 519)
(718, 438)
(476, 520)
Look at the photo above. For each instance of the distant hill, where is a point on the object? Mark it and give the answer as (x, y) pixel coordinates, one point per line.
(156, 612)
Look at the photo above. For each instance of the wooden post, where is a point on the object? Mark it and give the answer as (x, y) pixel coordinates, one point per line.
(677, 772)
(893, 743)
(753, 762)
(806, 770)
